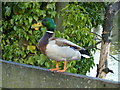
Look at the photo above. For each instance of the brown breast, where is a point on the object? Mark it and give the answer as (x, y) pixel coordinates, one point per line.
(44, 41)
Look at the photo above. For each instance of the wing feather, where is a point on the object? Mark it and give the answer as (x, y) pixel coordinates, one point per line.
(64, 42)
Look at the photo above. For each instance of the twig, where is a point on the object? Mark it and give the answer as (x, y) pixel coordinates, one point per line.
(115, 58)
(98, 48)
(96, 34)
(111, 56)
(93, 46)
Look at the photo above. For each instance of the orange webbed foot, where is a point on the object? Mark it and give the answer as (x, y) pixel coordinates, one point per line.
(57, 67)
(61, 70)
(64, 68)
(54, 69)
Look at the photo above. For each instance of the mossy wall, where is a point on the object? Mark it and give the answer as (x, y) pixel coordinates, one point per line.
(15, 75)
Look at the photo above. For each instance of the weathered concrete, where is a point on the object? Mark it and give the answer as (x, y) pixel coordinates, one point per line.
(15, 75)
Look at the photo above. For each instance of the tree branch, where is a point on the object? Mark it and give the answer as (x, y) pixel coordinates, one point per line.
(96, 34)
(114, 58)
(115, 7)
(111, 56)
(90, 47)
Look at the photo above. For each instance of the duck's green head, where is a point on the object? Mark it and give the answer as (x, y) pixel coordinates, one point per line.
(47, 22)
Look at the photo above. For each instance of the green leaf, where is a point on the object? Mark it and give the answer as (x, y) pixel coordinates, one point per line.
(12, 21)
(31, 48)
(65, 7)
(8, 11)
(50, 6)
(30, 19)
(15, 28)
(47, 64)
(35, 17)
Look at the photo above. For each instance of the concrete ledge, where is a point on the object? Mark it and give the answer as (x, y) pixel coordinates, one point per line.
(15, 75)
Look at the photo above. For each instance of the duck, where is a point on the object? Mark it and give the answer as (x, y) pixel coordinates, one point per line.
(58, 49)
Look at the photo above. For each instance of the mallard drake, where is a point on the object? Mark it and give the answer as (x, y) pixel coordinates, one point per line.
(58, 49)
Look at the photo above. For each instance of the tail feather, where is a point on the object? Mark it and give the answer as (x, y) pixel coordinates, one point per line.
(84, 54)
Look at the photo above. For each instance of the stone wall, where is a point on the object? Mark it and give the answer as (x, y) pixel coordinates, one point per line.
(15, 75)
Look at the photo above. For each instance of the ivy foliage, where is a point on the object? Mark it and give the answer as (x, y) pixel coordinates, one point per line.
(95, 11)
(77, 25)
(19, 41)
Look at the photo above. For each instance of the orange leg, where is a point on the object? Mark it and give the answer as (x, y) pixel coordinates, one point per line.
(57, 67)
(65, 62)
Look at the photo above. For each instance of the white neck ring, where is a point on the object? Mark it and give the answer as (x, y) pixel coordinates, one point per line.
(50, 31)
